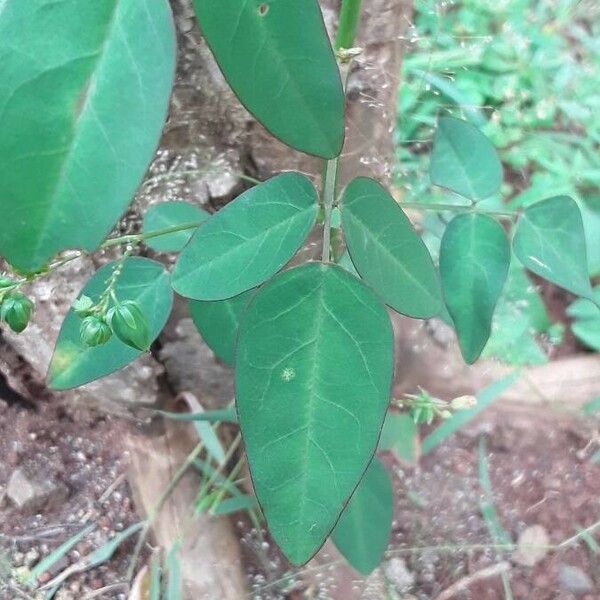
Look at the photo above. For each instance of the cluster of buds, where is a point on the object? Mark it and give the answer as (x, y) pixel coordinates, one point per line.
(15, 307)
(99, 322)
(423, 407)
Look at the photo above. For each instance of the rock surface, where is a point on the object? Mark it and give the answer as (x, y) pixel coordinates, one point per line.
(34, 492)
(574, 580)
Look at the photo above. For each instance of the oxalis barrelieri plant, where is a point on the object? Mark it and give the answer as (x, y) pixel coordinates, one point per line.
(84, 90)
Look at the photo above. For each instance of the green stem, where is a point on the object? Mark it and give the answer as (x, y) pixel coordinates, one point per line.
(460, 208)
(329, 181)
(140, 237)
(349, 16)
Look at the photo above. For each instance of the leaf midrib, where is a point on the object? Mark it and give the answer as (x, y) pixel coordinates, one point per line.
(395, 259)
(90, 85)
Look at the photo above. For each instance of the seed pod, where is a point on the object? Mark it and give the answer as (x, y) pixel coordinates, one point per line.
(83, 306)
(94, 331)
(129, 325)
(16, 311)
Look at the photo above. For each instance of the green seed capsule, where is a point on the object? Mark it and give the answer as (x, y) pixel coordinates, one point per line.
(94, 331)
(16, 311)
(129, 325)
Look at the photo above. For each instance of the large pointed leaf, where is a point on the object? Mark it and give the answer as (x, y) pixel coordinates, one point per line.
(464, 161)
(278, 59)
(550, 241)
(363, 532)
(313, 373)
(474, 261)
(248, 241)
(218, 323)
(84, 90)
(143, 281)
(387, 252)
(171, 215)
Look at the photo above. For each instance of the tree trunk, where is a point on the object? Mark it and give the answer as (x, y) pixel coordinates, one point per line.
(209, 143)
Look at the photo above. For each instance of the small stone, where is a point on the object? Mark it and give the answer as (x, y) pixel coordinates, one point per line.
(398, 575)
(31, 557)
(574, 580)
(35, 492)
(530, 550)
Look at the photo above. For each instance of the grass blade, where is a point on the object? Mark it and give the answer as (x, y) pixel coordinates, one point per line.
(459, 419)
(56, 555)
(173, 588)
(225, 415)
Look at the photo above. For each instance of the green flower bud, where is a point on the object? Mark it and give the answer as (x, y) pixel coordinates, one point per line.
(94, 331)
(16, 311)
(83, 306)
(129, 325)
(6, 282)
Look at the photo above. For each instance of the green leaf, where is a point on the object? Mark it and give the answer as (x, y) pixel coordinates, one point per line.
(592, 407)
(105, 552)
(363, 532)
(399, 435)
(155, 577)
(464, 161)
(387, 252)
(586, 320)
(142, 281)
(549, 240)
(486, 504)
(474, 261)
(233, 505)
(520, 314)
(278, 60)
(218, 323)
(171, 214)
(248, 241)
(313, 374)
(460, 418)
(84, 91)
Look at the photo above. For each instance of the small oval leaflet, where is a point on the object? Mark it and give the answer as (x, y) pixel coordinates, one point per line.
(248, 241)
(313, 373)
(143, 281)
(363, 532)
(474, 262)
(218, 323)
(171, 214)
(277, 58)
(387, 252)
(463, 160)
(550, 241)
(84, 96)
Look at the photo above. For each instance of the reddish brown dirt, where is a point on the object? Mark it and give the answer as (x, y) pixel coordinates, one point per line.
(540, 472)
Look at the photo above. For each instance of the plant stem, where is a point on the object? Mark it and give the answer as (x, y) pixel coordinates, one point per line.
(140, 237)
(457, 208)
(329, 181)
(348, 24)
(349, 16)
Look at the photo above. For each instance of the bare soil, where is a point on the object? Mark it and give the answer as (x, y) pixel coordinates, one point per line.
(540, 472)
